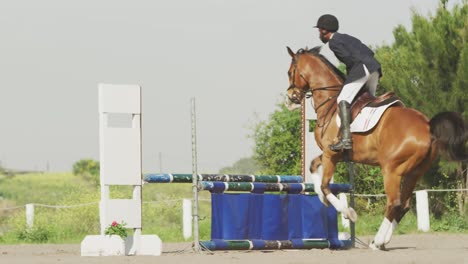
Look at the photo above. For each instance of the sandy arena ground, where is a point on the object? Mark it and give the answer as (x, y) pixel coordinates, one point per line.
(415, 248)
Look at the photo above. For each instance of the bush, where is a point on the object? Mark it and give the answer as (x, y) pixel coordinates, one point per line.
(88, 169)
(34, 235)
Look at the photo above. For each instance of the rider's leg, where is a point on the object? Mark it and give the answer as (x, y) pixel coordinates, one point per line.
(346, 141)
(372, 82)
(344, 100)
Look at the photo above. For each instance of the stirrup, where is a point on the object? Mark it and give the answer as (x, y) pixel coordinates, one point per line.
(343, 144)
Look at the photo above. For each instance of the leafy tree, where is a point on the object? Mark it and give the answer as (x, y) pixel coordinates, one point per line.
(242, 166)
(427, 67)
(278, 143)
(88, 169)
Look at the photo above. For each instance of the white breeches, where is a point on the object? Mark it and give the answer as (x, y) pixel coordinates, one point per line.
(350, 90)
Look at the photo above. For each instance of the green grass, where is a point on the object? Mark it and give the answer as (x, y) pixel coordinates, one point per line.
(162, 211)
(50, 224)
(163, 216)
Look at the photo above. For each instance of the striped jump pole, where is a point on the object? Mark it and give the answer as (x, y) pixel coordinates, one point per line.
(187, 178)
(265, 244)
(261, 187)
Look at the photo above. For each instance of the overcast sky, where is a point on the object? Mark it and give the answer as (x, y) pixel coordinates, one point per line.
(230, 55)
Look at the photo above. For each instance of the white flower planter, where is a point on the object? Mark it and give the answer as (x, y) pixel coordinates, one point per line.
(101, 245)
(106, 245)
(116, 244)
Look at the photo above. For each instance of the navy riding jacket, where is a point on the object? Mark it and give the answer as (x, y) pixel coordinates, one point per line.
(354, 54)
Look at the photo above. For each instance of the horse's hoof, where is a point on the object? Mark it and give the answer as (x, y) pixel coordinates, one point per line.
(351, 214)
(373, 246)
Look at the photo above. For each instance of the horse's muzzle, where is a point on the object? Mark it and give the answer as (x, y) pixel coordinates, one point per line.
(290, 105)
(294, 95)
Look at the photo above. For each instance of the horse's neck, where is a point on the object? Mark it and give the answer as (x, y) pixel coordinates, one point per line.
(328, 85)
(325, 107)
(325, 101)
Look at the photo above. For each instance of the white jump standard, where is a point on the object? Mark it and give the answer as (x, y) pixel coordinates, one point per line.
(120, 164)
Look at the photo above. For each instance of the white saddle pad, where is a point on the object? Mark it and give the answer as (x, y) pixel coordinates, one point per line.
(368, 118)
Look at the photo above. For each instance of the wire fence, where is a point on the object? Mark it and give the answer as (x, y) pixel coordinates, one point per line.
(29, 208)
(88, 204)
(203, 200)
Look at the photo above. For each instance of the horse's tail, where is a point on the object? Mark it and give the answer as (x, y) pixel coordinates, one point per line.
(451, 135)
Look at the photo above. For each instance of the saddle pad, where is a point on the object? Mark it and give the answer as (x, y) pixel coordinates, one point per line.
(368, 118)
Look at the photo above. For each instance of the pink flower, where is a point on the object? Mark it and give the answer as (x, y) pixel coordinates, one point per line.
(116, 229)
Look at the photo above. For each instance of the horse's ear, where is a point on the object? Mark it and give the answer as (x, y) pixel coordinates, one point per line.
(290, 52)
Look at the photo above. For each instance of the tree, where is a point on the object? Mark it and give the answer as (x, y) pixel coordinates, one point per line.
(88, 169)
(278, 143)
(242, 166)
(428, 69)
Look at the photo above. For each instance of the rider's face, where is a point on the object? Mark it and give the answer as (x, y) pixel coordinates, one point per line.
(323, 34)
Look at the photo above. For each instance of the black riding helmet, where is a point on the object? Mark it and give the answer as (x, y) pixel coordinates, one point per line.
(328, 22)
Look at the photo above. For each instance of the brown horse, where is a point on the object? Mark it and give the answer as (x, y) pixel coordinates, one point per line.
(403, 143)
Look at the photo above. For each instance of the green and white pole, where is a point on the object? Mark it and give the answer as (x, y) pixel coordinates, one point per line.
(196, 239)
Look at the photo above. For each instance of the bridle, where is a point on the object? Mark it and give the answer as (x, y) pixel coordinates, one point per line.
(311, 89)
(337, 87)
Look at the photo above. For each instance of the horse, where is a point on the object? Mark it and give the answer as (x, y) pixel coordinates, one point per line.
(403, 143)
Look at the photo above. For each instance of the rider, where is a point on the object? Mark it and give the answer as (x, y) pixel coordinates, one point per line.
(361, 66)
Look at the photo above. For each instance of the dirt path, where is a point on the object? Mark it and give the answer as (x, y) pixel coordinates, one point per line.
(414, 248)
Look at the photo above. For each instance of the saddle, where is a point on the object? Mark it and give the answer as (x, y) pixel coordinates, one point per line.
(367, 99)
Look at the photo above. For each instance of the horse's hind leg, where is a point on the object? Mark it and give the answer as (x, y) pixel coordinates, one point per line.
(392, 182)
(407, 187)
(398, 203)
(398, 210)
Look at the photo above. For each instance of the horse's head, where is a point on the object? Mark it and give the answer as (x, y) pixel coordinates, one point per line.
(298, 84)
(310, 71)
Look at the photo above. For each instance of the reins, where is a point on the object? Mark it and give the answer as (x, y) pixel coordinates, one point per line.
(326, 117)
(330, 107)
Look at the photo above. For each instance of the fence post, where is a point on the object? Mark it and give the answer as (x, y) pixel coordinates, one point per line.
(187, 218)
(422, 209)
(30, 215)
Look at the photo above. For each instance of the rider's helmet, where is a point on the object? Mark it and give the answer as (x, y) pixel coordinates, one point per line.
(328, 22)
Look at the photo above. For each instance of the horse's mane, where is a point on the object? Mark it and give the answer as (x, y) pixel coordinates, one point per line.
(315, 51)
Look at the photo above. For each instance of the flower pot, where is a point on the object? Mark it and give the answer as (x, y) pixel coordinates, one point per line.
(114, 246)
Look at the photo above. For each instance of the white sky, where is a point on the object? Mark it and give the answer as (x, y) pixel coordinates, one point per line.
(230, 55)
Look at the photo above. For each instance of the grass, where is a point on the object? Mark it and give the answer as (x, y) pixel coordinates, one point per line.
(162, 211)
(54, 225)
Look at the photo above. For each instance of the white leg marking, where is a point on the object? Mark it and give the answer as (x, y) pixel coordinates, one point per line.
(380, 236)
(389, 233)
(339, 206)
(317, 180)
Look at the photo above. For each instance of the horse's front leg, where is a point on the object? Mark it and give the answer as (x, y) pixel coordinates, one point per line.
(329, 164)
(316, 177)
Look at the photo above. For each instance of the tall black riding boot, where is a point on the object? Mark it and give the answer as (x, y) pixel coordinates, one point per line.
(346, 141)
